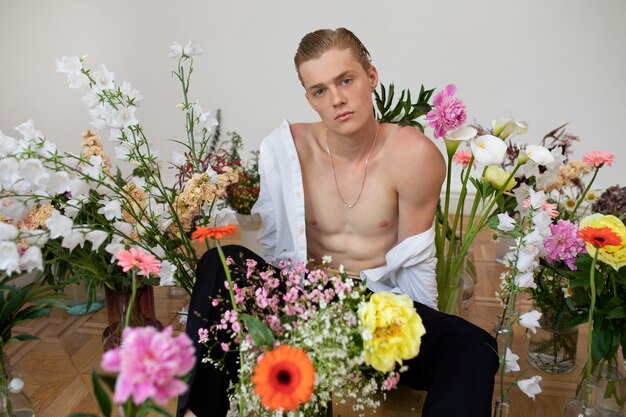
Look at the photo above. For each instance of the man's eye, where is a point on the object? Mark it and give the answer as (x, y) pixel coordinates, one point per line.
(318, 92)
(346, 81)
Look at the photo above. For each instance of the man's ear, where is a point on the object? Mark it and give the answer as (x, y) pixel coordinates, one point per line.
(372, 74)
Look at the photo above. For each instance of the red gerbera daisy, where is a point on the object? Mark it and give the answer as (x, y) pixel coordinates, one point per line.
(284, 378)
(214, 232)
(600, 236)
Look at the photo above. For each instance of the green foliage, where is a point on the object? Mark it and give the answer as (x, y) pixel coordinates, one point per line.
(405, 112)
(18, 304)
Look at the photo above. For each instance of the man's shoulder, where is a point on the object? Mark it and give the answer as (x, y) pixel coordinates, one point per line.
(407, 143)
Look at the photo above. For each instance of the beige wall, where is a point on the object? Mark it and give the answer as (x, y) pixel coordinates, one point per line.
(547, 62)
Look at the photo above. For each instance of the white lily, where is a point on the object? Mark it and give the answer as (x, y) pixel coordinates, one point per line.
(454, 138)
(539, 154)
(488, 149)
(530, 320)
(530, 386)
(507, 126)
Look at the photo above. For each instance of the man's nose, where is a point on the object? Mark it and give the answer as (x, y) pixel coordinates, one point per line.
(338, 98)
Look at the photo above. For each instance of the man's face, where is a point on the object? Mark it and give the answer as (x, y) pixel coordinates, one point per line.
(339, 89)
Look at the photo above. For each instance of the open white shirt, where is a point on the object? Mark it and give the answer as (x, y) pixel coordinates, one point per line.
(410, 265)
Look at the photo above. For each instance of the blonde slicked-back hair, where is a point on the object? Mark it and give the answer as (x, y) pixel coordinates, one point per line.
(314, 44)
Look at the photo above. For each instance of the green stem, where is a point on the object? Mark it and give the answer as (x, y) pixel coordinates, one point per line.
(592, 285)
(133, 295)
(584, 194)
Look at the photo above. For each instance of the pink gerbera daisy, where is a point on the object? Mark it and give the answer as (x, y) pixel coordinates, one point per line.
(135, 257)
(463, 158)
(598, 158)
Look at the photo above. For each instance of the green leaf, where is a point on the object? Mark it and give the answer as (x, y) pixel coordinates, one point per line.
(157, 409)
(601, 343)
(104, 402)
(260, 333)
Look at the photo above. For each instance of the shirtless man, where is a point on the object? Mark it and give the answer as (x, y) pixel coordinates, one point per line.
(366, 194)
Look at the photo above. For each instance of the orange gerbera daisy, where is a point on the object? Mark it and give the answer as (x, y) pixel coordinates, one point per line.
(213, 232)
(600, 236)
(284, 378)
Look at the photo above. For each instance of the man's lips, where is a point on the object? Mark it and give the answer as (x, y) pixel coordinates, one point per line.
(344, 115)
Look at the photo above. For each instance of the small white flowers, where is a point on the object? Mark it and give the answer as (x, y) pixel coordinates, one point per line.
(505, 222)
(327, 259)
(530, 386)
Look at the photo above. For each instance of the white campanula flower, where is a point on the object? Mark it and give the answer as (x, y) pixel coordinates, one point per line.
(527, 258)
(58, 225)
(28, 130)
(58, 183)
(530, 386)
(94, 168)
(528, 169)
(74, 238)
(77, 80)
(7, 144)
(90, 98)
(525, 280)
(103, 78)
(123, 227)
(79, 188)
(68, 64)
(13, 208)
(102, 116)
(8, 231)
(96, 237)
(488, 149)
(9, 258)
(35, 237)
(9, 172)
(33, 171)
(511, 362)
(124, 117)
(505, 222)
(530, 320)
(31, 259)
(189, 50)
(167, 274)
(122, 152)
(113, 248)
(536, 199)
(130, 92)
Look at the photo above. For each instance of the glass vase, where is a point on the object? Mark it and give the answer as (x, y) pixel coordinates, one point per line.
(457, 288)
(553, 350)
(142, 313)
(610, 382)
(502, 407)
(13, 400)
(585, 406)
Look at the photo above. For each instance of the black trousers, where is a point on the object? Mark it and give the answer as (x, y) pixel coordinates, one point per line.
(456, 364)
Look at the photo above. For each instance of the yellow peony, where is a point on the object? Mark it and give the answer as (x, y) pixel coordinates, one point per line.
(497, 176)
(609, 254)
(392, 330)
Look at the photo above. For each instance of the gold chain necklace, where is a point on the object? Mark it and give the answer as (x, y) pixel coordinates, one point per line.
(332, 163)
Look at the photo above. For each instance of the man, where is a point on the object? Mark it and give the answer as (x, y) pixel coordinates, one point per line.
(364, 193)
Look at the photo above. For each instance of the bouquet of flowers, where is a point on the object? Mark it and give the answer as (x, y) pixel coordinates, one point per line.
(306, 335)
(84, 200)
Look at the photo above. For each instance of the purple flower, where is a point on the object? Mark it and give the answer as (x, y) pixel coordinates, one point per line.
(150, 364)
(563, 244)
(449, 112)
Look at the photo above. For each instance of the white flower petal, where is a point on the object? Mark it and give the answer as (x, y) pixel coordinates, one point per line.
(31, 259)
(530, 320)
(511, 364)
(488, 149)
(539, 154)
(58, 225)
(96, 237)
(530, 386)
(505, 222)
(9, 258)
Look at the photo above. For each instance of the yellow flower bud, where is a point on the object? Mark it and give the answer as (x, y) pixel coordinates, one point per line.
(497, 176)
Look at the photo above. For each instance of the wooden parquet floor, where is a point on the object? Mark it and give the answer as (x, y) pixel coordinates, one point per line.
(57, 367)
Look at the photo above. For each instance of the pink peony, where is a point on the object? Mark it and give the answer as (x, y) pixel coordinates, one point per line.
(135, 257)
(449, 112)
(150, 364)
(563, 244)
(463, 158)
(598, 158)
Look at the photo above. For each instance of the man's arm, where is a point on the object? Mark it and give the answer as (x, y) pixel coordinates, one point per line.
(420, 172)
